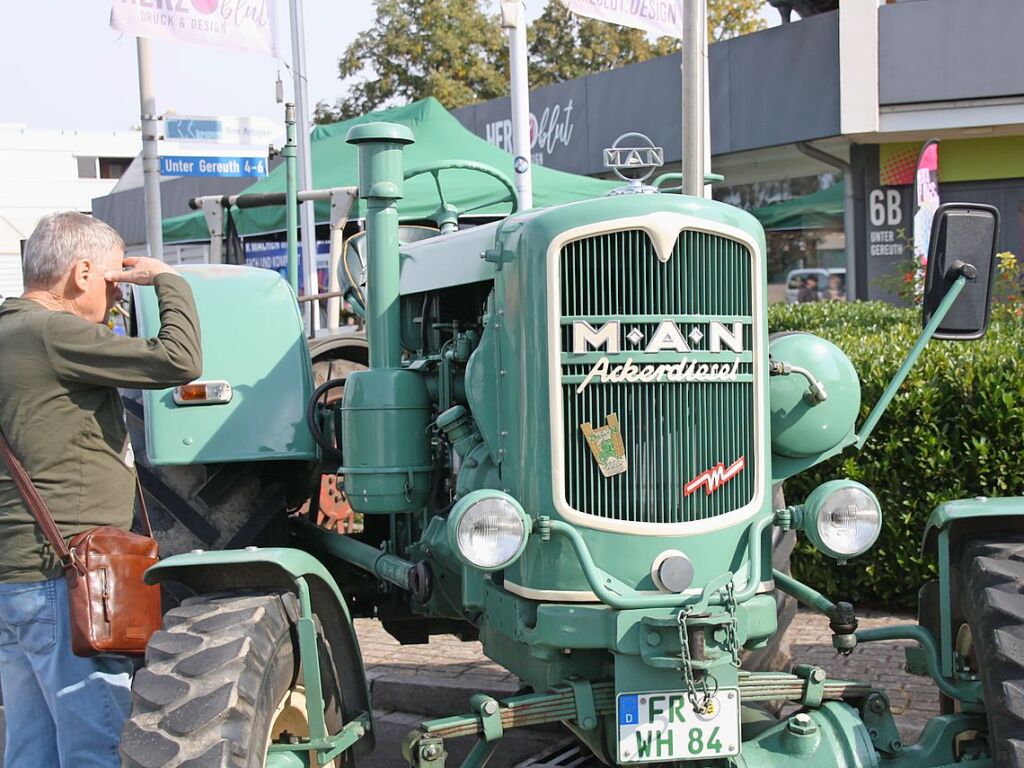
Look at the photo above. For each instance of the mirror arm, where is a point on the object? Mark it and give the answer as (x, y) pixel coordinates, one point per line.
(922, 340)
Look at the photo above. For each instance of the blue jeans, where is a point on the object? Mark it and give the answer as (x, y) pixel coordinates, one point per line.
(61, 709)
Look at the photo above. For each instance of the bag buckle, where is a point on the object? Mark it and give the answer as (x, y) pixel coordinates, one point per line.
(73, 567)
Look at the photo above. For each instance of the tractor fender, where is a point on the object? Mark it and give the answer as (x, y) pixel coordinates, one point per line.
(281, 568)
(346, 345)
(980, 514)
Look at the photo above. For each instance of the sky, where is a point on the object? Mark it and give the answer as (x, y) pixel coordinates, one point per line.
(64, 67)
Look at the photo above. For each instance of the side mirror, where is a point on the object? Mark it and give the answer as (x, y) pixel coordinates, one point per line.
(963, 242)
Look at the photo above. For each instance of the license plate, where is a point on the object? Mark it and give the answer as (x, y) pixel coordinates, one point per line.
(663, 726)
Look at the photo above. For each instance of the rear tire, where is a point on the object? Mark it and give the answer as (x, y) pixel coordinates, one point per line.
(989, 583)
(217, 683)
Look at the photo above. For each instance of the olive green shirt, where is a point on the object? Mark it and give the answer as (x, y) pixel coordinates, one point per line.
(62, 415)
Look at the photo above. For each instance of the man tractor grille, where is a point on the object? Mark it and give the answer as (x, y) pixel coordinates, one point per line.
(688, 443)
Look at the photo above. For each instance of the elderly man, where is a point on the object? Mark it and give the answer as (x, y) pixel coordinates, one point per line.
(59, 408)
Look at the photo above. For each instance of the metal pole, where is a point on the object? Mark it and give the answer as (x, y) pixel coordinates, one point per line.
(305, 166)
(694, 54)
(150, 152)
(291, 207)
(705, 90)
(513, 20)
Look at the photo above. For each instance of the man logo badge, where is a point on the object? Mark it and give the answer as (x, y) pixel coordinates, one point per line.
(606, 444)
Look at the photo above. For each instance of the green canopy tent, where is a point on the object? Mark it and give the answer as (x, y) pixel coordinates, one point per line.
(818, 210)
(439, 137)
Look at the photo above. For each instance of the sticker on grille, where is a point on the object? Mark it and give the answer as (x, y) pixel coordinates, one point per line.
(664, 349)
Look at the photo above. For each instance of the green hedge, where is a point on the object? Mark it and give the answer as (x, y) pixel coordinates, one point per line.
(954, 430)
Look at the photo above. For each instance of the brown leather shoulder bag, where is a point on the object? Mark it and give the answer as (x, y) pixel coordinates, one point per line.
(112, 609)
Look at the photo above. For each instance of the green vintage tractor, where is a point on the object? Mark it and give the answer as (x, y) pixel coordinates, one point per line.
(565, 444)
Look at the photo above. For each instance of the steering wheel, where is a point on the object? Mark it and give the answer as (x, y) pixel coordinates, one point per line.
(447, 215)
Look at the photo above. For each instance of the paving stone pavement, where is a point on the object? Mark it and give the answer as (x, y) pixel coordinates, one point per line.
(913, 699)
(448, 661)
(449, 664)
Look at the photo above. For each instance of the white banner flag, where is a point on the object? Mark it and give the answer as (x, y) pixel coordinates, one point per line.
(658, 17)
(243, 25)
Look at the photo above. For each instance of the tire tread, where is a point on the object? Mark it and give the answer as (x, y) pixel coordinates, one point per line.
(991, 585)
(194, 702)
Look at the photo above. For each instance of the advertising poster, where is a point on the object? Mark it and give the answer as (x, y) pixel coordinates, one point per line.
(274, 255)
(241, 25)
(926, 202)
(658, 17)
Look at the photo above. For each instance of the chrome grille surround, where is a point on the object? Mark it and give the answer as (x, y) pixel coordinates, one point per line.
(641, 507)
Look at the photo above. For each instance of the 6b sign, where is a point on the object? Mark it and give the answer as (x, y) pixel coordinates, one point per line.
(885, 207)
(887, 237)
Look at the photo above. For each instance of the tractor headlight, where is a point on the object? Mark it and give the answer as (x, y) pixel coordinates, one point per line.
(488, 529)
(842, 518)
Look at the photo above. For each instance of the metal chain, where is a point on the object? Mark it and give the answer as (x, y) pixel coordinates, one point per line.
(697, 691)
(731, 628)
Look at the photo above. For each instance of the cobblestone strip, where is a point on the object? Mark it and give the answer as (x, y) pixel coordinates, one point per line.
(914, 699)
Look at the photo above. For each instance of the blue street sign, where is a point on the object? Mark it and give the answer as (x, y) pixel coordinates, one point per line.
(256, 131)
(189, 128)
(185, 165)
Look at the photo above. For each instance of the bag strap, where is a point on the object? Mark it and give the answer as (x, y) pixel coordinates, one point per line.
(41, 512)
(35, 502)
(142, 505)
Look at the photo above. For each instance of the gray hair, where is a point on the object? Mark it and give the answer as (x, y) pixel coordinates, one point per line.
(60, 240)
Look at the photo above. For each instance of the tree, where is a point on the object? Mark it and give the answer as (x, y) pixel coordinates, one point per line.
(449, 49)
(455, 51)
(564, 46)
(732, 18)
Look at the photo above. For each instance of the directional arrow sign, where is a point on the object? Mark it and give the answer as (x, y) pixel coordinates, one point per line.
(222, 130)
(187, 128)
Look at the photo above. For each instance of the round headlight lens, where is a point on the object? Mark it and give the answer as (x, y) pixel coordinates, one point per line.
(847, 519)
(490, 533)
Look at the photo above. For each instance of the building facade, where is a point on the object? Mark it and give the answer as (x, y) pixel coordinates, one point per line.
(854, 92)
(43, 171)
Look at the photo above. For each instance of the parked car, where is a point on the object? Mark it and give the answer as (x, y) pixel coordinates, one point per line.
(827, 285)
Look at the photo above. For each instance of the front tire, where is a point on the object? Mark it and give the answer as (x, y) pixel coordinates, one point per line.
(218, 684)
(989, 580)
